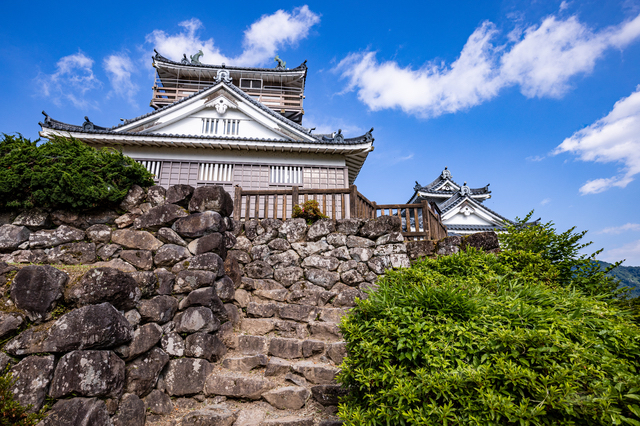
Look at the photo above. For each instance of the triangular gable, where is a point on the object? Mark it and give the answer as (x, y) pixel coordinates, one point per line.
(218, 105)
(467, 211)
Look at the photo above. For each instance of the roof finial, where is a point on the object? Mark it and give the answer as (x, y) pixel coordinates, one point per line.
(195, 59)
(446, 174)
(87, 125)
(282, 65)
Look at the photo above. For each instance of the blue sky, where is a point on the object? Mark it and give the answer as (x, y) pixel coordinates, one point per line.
(540, 99)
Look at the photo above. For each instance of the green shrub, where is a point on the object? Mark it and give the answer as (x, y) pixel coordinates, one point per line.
(477, 339)
(11, 412)
(309, 210)
(64, 174)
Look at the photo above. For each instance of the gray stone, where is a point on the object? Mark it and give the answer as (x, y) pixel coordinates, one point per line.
(361, 254)
(351, 277)
(129, 238)
(312, 347)
(196, 319)
(277, 367)
(141, 259)
(128, 218)
(341, 253)
(232, 270)
(242, 297)
(253, 228)
(142, 373)
(173, 344)
(261, 310)
(72, 254)
(169, 236)
(189, 280)
(208, 262)
(158, 402)
(88, 373)
(243, 243)
(360, 242)
(34, 219)
(304, 313)
(186, 376)
(315, 373)
(380, 226)
(179, 194)
(287, 398)
(379, 264)
(321, 277)
(78, 412)
(393, 237)
(346, 296)
(240, 256)
(288, 421)
(5, 360)
(332, 314)
(205, 297)
(337, 239)
(32, 377)
(144, 338)
(279, 244)
(296, 379)
(389, 249)
(306, 249)
(305, 293)
(27, 256)
(156, 195)
(348, 226)
(293, 230)
(337, 351)
(108, 251)
(131, 411)
(214, 242)
(283, 260)
(134, 197)
(321, 228)
(35, 289)
(225, 288)
(449, 245)
(54, 237)
(347, 266)
(328, 394)
(482, 240)
(325, 330)
(214, 415)
(260, 252)
(159, 309)
(285, 348)
(288, 276)
(170, 254)
(207, 346)
(104, 284)
(321, 262)
(257, 326)
(291, 329)
(252, 345)
(147, 282)
(258, 269)
(93, 326)
(399, 260)
(213, 198)
(420, 249)
(9, 322)
(99, 233)
(133, 317)
(236, 386)
(246, 363)
(166, 280)
(265, 237)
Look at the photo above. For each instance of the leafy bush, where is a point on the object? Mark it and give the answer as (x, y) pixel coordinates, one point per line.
(11, 412)
(309, 210)
(478, 339)
(64, 174)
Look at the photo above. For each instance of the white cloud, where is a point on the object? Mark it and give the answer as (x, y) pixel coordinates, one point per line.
(397, 160)
(72, 80)
(564, 5)
(326, 125)
(621, 229)
(261, 42)
(612, 139)
(535, 158)
(541, 60)
(119, 68)
(630, 252)
(545, 201)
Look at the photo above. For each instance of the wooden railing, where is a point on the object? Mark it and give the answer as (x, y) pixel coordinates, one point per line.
(340, 203)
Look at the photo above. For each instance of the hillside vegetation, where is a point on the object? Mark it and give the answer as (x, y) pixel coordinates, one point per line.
(629, 276)
(64, 174)
(533, 336)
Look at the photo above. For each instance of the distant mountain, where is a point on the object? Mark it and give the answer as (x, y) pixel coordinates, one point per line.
(629, 276)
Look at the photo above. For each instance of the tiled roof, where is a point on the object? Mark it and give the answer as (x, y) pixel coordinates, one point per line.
(476, 228)
(158, 57)
(459, 198)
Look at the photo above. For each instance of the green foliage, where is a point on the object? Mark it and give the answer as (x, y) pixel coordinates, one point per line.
(309, 210)
(561, 250)
(478, 339)
(64, 174)
(11, 412)
(629, 276)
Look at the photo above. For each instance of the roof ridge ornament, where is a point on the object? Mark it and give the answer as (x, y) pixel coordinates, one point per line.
(339, 137)
(417, 187)
(195, 59)
(368, 137)
(47, 119)
(446, 174)
(465, 190)
(222, 76)
(87, 126)
(282, 65)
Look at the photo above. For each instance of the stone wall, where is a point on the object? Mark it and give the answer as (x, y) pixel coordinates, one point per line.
(167, 312)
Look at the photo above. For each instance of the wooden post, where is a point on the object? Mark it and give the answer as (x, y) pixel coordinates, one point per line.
(294, 196)
(237, 204)
(353, 198)
(426, 223)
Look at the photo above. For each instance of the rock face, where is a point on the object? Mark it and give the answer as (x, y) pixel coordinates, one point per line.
(104, 284)
(78, 412)
(199, 224)
(9, 322)
(33, 375)
(88, 373)
(142, 373)
(50, 238)
(35, 289)
(142, 240)
(94, 326)
(213, 198)
(131, 412)
(186, 376)
(160, 216)
(12, 236)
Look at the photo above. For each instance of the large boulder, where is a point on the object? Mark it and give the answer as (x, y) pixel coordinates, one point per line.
(159, 217)
(131, 411)
(380, 226)
(170, 254)
(156, 195)
(214, 242)
(72, 254)
(203, 345)
(186, 376)
(208, 262)
(293, 230)
(287, 398)
(321, 228)
(205, 297)
(141, 259)
(93, 326)
(129, 238)
(9, 322)
(54, 237)
(134, 197)
(34, 219)
(78, 412)
(33, 375)
(189, 280)
(196, 319)
(482, 240)
(199, 224)
(159, 309)
(88, 373)
(142, 373)
(179, 194)
(213, 198)
(144, 338)
(36, 288)
(102, 285)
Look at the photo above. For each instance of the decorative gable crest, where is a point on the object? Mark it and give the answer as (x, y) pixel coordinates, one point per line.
(221, 104)
(222, 76)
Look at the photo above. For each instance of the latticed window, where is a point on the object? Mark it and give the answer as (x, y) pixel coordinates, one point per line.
(219, 126)
(286, 175)
(213, 172)
(153, 167)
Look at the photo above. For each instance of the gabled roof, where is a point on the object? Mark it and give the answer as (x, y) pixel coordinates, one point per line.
(159, 58)
(459, 198)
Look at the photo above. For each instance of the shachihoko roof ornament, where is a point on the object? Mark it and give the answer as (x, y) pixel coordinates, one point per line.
(282, 65)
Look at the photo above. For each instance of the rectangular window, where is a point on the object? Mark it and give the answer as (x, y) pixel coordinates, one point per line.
(218, 126)
(246, 83)
(214, 172)
(286, 175)
(152, 166)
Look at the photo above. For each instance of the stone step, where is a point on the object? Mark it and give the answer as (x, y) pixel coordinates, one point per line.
(290, 348)
(321, 330)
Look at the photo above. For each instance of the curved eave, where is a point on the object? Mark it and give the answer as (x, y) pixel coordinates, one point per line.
(212, 69)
